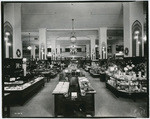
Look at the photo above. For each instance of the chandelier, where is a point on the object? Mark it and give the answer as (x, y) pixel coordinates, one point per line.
(73, 38)
(29, 47)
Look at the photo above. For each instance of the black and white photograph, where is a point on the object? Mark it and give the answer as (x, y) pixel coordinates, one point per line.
(75, 59)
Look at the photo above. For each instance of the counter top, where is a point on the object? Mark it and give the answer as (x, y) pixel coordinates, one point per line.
(61, 88)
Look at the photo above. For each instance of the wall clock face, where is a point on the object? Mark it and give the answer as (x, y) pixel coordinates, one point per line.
(126, 51)
(18, 53)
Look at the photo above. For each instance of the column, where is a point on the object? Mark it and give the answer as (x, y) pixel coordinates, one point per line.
(87, 51)
(113, 49)
(42, 44)
(58, 52)
(7, 48)
(93, 54)
(33, 51)
(17, 30)
(133, 11)
(53, 47)
(137, 48)
(103, 42)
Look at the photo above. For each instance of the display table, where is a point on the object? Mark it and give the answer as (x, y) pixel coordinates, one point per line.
(68, 106)
(24, 91)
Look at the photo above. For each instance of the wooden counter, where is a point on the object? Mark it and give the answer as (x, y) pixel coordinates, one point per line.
(59, 97)
(68, 107)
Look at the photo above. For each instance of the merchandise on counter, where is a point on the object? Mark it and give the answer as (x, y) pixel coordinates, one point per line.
(61, 88)
(19, 85)
(85, 85)
(126, 79)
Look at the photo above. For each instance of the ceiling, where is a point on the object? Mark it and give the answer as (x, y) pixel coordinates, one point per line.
(57, 19)
(58, 15)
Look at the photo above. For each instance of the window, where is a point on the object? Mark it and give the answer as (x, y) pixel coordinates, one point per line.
(67, 49)
(109, 49)
(79, 49)
(48, 49)
(119, 48)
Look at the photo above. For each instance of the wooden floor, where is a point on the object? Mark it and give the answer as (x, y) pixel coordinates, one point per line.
(106, 104)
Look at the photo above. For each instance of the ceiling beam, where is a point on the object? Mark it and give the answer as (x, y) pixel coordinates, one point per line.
(84, 29)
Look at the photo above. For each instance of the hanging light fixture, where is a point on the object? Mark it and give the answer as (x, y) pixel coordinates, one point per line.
(73, 38)
(29, 47)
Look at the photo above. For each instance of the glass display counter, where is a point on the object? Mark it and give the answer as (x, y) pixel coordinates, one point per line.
(126, 85)
(95, 72)
(23, 91)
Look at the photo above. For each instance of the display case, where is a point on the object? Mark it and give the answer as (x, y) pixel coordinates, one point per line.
(12, 68)
(95, 70)
(87, 65)
(126, 83)
(23, 91)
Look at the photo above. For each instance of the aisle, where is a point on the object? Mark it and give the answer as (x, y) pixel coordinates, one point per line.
(106, 104)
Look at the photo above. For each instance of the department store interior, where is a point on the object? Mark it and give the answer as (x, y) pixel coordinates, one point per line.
(75, 59)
